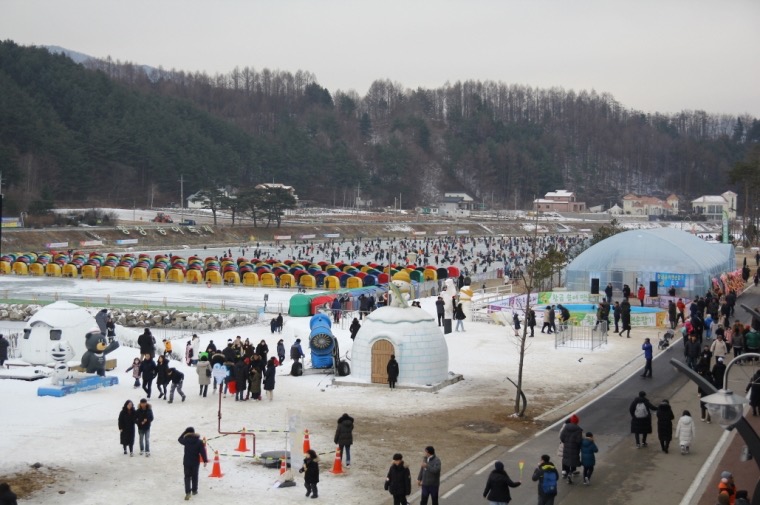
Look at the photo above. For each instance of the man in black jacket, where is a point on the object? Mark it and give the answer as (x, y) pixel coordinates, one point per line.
(147, 343)
(194, 452)
(440, 306)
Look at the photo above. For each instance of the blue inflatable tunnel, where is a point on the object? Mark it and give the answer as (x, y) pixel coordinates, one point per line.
(322, 342)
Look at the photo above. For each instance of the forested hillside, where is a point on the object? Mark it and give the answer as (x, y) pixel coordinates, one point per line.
(110, 131)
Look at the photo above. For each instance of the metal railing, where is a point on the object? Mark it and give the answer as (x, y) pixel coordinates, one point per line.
(580, 337)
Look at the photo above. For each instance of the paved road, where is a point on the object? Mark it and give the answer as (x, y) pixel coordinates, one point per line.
(623, 474)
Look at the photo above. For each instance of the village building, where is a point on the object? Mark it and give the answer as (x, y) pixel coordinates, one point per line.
(636, 205)
(559, 201)
(713, 206)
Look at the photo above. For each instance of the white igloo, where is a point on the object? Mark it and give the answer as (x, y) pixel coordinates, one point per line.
(411, 334)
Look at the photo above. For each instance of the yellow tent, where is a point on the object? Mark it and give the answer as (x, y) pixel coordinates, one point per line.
(89, 272)
(54, 270)
(121, 273)
(308, 281)
(5, 267)
(287, 281)
(250, 279)
(429, 274)
(157, 274)
(175, 275)
(354, 282)
(232, 278)
(268, 280)
(194, 277)
(70, 271)
(106, 272)
(37, 269)
(139, 274)
(332, 282)
(213, 277)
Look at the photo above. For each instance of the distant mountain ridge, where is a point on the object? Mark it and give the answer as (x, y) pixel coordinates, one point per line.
(72, 131)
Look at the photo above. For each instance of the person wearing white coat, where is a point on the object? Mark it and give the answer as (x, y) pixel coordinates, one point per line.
(685, 431)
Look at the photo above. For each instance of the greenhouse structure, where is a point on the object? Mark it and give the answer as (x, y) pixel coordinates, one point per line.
(667, 256)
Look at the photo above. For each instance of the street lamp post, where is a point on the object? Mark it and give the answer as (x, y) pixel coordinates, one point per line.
(728, 409)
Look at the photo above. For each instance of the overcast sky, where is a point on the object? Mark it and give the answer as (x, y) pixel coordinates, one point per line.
(652, 55)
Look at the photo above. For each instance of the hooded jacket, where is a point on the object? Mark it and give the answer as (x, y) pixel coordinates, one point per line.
(344, 433)
(399, 480)
(685, 430)
(497, 487)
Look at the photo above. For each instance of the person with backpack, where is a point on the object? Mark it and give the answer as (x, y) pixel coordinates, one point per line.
(296, 352)
(547, 476)
(398, 482)
(588, 457)
(641, 418)
(498, 484)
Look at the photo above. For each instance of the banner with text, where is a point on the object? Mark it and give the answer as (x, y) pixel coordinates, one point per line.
(90, 243)
(667, 280)
(56, 245)
(126, 241)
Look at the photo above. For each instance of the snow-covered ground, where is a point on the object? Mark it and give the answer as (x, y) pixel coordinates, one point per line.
(79, 433)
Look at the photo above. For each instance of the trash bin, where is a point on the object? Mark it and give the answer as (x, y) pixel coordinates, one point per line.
(446, 326)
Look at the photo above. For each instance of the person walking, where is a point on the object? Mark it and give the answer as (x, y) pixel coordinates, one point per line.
(616, 315)
(672, 314)
(641, 418)
(647, 348)
(530, 321)
(440, 310)
(547, 476)
(310, 469)
(241, 377)
(685, 431)
(571, 437)
(177, 378)
(516, 323)
(753, 388)
(203, 369)
(135, 369)
(148, 373)
(719, 348)
(344, 437)
(665, 425)
(398, 482)
(280, 351)
(459, 316)
(269, 375)
(195, 451)
(393, 370)
(608, 292)
(355, 327)
(429, 477)
(691, 351)
(167, 348)
(144, 419)
(127, 419)
(162, 377)
(497, 486)
(588, 457)
(625, 317)
(4, 345)
(296, 352)
(547, 320)
(147, 343)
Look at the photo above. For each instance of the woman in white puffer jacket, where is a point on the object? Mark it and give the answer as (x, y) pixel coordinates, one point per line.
(685, 431)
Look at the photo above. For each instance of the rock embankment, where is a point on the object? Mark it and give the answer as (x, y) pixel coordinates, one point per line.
(142, 318)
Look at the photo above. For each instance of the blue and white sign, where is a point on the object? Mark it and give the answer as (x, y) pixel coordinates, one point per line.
(667, 280)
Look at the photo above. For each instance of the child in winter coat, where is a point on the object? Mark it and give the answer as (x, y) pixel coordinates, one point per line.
(135, 369)
(310, 469)
(685, 431)
(588, 459)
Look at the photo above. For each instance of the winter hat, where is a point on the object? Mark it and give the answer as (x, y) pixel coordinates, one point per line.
(499, 466)
(189, 429)
(589, 434)
(575, 419)
(642, 394)
(726, 475)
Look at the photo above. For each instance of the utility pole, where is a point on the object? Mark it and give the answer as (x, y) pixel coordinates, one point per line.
(181, 198)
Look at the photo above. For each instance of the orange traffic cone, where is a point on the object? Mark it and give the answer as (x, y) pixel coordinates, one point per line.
(216, 471)
(337, 465)
(283, 465)
(306, 443)
(200, 456)
(242, 446)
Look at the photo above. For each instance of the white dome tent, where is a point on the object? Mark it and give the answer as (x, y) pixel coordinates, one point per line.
(412, 335)
(638, 256)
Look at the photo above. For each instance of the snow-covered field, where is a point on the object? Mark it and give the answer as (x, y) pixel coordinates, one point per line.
(79, 434)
